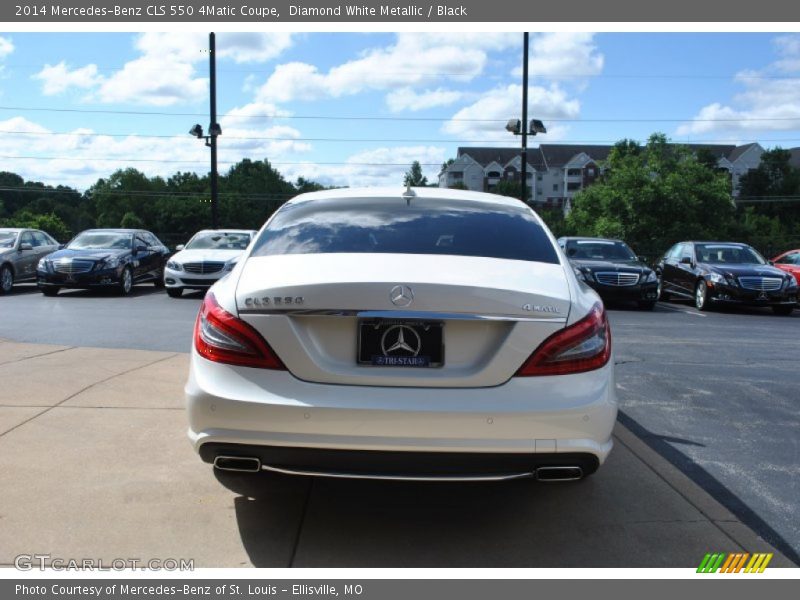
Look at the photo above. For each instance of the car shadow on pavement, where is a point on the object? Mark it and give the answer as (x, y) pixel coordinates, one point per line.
(137, 291)
(289, 521)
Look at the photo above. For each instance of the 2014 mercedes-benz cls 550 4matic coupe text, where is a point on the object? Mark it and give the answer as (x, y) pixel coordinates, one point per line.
(411, 334)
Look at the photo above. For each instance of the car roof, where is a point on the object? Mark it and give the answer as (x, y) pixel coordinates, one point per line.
(421, 193)
(115, 230)
(715, 242)
(12, 229)
(226, 231)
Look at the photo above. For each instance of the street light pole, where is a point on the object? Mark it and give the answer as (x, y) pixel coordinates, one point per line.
(213, 129)
(524, 153)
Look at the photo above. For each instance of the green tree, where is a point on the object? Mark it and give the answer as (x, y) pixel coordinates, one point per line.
(131, 221)
(49, 223)
(511, 187)
(653, 196)
(414, 176)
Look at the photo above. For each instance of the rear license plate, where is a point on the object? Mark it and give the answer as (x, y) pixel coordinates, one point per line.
(400, 343)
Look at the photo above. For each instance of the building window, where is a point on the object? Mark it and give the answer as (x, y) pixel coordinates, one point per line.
(493, 174)
(457, 175)
(555, 187)
(573, 186)
(590, 172)
(573, 172)
(538, 178)
(528, 175)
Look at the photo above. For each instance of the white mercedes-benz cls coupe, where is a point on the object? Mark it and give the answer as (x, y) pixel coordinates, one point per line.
(207, 257)
(423, 333)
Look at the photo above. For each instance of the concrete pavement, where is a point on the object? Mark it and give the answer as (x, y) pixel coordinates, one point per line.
(94, 462)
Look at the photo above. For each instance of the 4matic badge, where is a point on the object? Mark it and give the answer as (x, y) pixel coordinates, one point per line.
(542, 308)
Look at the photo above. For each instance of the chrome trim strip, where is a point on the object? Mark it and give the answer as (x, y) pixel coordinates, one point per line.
(337, 475)
(417, 315)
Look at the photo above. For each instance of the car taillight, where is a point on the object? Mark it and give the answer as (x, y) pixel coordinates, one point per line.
(221, 337)
(583, 346)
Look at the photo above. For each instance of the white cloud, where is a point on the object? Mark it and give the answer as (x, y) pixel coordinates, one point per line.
(167, 70)
(6, 47)
(407, 99)
(375, 167)
(558, 54)
(85, 157)
(57, 79)
(768, 102)
(415, 59)
(485, 118)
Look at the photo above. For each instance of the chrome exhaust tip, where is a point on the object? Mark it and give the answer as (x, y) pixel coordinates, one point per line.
(559, 473)
(245, 464)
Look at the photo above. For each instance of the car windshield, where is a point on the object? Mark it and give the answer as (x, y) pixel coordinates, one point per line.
(218, 240)
(598, 250)
(728, 254)
(101, 240)
(7, 239)
(394, 226)
(789, 259)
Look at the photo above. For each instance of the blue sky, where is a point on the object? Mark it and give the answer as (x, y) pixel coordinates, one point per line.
(291, 98)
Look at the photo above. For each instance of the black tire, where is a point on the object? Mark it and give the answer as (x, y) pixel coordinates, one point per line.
(661, 294)
(6, 280)
(50, 290)
(125, 286)
(783, 310)
(647, 304)
(174, 292)
(701, 300)
(159, 281)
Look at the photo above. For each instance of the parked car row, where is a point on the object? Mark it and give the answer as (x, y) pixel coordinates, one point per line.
(117, 259)
(706, 273)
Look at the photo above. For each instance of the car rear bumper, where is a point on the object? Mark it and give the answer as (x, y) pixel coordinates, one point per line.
(263, 411)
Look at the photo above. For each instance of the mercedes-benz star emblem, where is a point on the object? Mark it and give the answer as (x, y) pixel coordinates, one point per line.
(400, 340)
(401, 295)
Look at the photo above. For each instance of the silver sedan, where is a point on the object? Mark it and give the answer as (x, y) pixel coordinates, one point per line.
(20, 252)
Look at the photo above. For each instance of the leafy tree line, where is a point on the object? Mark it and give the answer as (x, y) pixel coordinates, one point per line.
(657, 194)
(173, 208)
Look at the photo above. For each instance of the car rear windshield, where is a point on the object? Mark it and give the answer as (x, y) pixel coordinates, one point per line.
(98, 240)
(7, 238)
(393, 226)
(219, 240)
(728, 254)
(599, 250)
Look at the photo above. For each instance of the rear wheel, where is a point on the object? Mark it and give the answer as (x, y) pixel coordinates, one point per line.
(50, 290)
(126, 282)
(783, 310)
(701, 295)
(6, 280)
(174, 292)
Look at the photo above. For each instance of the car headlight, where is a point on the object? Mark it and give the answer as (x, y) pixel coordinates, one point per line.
(230, 266)
(791, 282)
(717, 278)
(579, 274)
(651, 277)
(43, 265)
(175, 266)
(111, 262)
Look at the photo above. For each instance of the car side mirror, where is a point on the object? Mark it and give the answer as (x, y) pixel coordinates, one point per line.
(771, 262)
(642, 258)
(141, 249)
(62, 246)
(25, 246)
(686, 260)
(179, 247)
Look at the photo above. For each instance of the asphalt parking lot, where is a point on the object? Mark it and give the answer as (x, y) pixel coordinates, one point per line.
(713, 393)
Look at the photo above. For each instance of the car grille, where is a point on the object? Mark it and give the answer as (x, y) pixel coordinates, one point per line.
(71, 267)
(617, 278)
(203, 268)
(203, 282)
(761, 284)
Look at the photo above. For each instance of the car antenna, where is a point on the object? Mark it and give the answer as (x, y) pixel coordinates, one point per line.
(408, 195)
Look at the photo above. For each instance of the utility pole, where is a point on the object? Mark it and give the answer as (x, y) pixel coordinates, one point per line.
(214, 129)
(524, 154)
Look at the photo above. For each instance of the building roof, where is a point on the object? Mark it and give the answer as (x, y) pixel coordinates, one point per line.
(558, 155)
(739, 150)
(485, 156)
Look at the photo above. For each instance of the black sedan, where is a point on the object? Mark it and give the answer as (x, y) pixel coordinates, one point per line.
(104, 258)
(710, 273)
(612, 269)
